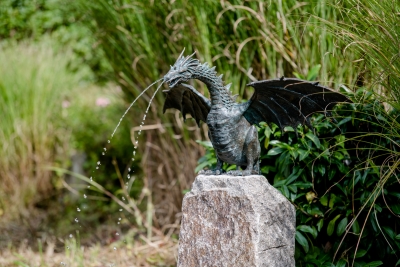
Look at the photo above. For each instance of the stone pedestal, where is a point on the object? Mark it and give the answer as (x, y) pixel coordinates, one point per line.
(236, 221)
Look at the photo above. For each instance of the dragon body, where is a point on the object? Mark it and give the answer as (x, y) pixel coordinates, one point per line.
(232, 131)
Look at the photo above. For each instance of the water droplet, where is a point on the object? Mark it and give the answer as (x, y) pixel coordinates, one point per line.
(78, 209)
(63, 264)
(70, 235)
(103, 153)
(91, 179)
(129, 169)
(118, 222)
(108, 141)
(123, 198)
(133, 159)
(115, 248)
(134, 152)
(116, 234)
(97, 168)
(119, 219)
(98, 163)
(84, 195)
(76, 220)
(135, 147)
(129, 177)
(105, 149)
(120, 209)
(136, 142)
(88, 186)
(67, 247)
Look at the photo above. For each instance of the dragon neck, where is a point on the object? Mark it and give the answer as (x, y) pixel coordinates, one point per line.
(220, 95)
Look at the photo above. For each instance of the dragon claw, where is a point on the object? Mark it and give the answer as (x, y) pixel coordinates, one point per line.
(211, 172)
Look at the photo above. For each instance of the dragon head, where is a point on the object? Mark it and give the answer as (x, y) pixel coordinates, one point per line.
(182, 70)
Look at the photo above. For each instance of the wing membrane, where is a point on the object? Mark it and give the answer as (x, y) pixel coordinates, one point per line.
(187, 102)
(290, 102)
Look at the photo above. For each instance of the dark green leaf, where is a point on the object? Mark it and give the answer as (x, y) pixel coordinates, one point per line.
(355, 227)
(324, 200)
(360, 253)
(302, 241)
(341, 226)
(331, 173)
(341, 263)
(279, 183)
(320, 224)
(389, 231)
(313, 138)
(266, 142)
(303, 154)
(307, 229)
(293, 176)
(292, 188)
(285, 191)
(331, 225)
(344, 121)
(395, 208)
(274, 151)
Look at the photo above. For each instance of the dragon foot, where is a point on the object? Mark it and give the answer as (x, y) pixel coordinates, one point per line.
(211, 172)
(242, 173)
(235, 173)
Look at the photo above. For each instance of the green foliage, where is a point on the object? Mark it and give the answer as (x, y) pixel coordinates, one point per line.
(34, 81)
(346, 202)
(63, 22)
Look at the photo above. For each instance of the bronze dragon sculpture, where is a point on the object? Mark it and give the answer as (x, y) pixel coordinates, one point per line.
(232, 131)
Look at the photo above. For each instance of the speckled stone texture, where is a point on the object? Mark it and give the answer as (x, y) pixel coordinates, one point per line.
(236, 221)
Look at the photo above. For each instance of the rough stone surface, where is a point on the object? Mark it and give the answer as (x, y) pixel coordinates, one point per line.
(236, 221)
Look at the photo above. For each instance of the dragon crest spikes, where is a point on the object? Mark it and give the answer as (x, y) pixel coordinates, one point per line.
(228, 86)
(187, 58)
(220, 76)
(181, 55)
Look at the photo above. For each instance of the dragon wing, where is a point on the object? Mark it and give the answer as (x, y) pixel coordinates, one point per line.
(290, 102)
(188, 101)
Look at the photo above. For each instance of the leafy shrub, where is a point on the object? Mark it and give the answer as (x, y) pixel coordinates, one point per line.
(62, 21)
(347, 201)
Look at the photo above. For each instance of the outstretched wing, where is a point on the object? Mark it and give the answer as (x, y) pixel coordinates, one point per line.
(290, 102)
(188, 102)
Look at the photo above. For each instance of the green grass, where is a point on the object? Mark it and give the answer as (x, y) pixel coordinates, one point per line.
(34, 86)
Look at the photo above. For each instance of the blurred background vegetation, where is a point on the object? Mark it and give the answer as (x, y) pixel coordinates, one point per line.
(69, 70)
